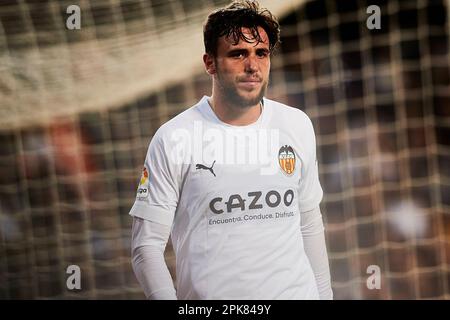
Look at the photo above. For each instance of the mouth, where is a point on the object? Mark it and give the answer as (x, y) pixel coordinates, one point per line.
(253, 79)
(250, 83)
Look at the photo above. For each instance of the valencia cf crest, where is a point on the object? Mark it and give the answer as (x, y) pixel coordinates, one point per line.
(286, 159)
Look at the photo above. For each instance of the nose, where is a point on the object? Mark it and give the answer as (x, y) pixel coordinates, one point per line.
(251, 65)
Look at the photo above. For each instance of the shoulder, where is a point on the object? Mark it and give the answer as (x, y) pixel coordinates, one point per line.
(289, 115)
(178, 125)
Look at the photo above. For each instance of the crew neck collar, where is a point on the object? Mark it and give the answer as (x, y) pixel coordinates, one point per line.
(208, 109)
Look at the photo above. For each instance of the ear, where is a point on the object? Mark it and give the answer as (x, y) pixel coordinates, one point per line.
(210, 65)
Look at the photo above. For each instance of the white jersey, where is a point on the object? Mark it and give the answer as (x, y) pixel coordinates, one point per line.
(233, 196)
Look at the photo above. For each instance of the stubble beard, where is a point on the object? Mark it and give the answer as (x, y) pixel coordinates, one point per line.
(232, 96)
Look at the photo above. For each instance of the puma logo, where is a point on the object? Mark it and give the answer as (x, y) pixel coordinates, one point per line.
(201, 166)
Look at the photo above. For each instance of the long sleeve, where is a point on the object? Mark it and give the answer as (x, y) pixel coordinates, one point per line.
(315, 247)
(149, 240)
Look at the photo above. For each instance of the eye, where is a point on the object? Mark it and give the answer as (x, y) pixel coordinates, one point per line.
(237, 54)
(262, 53)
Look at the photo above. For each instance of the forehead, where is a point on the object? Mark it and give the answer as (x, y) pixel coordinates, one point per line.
(227, 43)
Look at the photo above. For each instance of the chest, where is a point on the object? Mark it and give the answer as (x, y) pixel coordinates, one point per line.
(257, 163)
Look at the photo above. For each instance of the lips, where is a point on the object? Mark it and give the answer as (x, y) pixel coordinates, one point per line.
(250, 84)
(251, 80)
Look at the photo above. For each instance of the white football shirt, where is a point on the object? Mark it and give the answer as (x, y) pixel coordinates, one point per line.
(233, 197)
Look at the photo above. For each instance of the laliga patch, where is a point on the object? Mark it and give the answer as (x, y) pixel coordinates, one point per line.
(286, 159)
(142, 192)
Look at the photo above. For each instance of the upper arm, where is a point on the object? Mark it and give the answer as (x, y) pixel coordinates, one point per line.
(310, 190)
(158, 190)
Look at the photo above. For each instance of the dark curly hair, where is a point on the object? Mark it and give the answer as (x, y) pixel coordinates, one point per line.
(229, 20)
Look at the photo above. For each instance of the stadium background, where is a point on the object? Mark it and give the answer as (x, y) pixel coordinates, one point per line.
(79, 107)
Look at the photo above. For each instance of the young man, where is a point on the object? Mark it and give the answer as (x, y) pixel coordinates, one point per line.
(234, 180)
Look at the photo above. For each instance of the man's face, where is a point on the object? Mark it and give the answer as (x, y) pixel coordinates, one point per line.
(242, 70)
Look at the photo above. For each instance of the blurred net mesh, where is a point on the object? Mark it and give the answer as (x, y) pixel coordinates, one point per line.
(79, 107)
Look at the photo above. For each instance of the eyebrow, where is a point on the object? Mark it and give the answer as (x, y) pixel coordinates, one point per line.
(263, 49)
(238, 50)
(244, 50)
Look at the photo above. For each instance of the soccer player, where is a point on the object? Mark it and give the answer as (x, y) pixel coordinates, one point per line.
(234, 181)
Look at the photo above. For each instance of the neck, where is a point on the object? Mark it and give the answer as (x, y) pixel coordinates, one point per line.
(234, 115)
